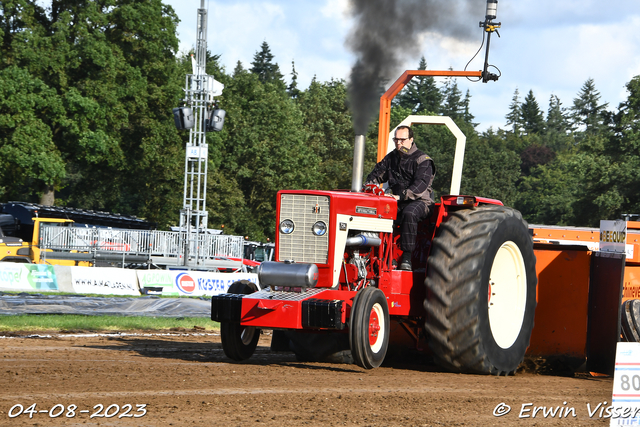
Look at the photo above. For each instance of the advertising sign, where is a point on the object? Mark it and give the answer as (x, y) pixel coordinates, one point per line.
(27, 277)
(158, 282)
(185, 283)
(613, 237)
(190, 283)
(104, 281)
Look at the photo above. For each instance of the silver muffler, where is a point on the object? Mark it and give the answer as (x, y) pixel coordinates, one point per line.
(271, 273)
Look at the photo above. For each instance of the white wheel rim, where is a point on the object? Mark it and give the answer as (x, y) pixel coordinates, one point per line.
(377, 345)
(247, 335)
(507, 294)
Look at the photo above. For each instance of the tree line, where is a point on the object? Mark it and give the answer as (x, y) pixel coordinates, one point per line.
(87, 88)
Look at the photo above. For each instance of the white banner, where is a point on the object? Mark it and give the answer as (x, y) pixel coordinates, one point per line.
(191, 283)
(104, 281)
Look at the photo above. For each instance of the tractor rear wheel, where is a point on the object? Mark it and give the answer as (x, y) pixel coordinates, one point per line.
(630, 320)
(369, 328)
(481, 291)
(238, 341)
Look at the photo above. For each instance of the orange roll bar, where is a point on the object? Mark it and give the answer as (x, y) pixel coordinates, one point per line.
(385, 100)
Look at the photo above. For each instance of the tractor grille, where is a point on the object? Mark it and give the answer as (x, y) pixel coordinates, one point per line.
(302, 245)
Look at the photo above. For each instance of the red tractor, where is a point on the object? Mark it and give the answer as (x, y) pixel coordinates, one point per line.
(472, 291)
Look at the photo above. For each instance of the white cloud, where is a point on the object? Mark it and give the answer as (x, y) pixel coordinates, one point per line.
(237, 31)
(336, 9)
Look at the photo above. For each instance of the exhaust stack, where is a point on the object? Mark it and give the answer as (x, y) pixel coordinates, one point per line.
(358, 164)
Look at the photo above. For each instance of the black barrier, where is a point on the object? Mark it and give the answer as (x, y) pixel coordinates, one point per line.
(603, 324)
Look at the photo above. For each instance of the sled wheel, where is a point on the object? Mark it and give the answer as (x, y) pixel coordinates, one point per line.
(238, 341)
(630, 320)
(369, 328)
(481, 291)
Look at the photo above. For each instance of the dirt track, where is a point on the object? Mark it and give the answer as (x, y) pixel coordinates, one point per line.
(186, 380)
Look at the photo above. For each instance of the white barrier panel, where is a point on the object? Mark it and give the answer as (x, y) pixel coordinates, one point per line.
(63, 276)
(190, 283)
(104, 281)
(625, 399)
(27, 277)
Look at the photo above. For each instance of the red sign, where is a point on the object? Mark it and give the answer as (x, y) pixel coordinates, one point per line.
(185, 283)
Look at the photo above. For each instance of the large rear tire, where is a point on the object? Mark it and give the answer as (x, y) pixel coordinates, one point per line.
(630, 320)
(369, 328)
(481, 291)
(239, 342)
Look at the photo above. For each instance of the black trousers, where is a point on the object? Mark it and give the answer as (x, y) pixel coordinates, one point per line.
(409, 215)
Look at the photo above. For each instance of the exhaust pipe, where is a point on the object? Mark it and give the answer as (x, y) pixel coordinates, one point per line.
(358, 164)
(362, 240)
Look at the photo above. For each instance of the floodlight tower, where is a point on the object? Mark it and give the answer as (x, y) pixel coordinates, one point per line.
(199, 115)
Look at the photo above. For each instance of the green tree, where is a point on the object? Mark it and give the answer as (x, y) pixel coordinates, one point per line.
(624, 148)
(264, 67)
(466, 110)
(28, 155)
(532, 119)
(421, 93)
(490, 169)
(292, 89)
(239, 69)
(548, 194)
(557, 134)
(265, 151)
(112, 65)
(29, 109)
(328, 124)
(452, 105)
(514, 117)
(588, 114)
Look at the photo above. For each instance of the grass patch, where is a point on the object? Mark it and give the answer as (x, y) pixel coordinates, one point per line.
(59, 293)
(75, 322)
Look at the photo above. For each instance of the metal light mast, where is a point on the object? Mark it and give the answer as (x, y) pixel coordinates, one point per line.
(200, 90)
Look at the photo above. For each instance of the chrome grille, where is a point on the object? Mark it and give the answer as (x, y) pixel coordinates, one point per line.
(302, 245)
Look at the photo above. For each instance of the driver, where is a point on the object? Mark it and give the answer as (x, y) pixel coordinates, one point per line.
(410, 174)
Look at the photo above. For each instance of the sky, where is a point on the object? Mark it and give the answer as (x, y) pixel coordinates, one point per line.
(547, 46)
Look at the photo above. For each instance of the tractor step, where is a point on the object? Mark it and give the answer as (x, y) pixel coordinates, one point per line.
(226, 308)
(323, 313)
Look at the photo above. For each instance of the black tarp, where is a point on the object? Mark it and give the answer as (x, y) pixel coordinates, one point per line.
(13, 304)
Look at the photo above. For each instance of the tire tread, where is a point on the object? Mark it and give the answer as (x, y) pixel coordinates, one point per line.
(453, 283)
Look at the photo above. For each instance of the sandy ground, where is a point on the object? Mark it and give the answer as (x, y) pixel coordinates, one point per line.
(185, 380)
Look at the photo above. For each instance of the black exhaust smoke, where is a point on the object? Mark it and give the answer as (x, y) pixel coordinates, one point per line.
(388, 32)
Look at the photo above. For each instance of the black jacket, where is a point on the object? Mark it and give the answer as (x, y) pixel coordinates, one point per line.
(410, 175)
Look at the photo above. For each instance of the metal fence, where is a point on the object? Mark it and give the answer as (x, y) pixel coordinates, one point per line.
(140, 242)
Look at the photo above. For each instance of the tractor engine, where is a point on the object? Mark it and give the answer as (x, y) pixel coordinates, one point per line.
(361, 261)
(346, 235)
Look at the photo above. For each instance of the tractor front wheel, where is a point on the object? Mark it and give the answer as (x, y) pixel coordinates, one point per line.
(238, 341)
(481, 291)
(369, 328)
